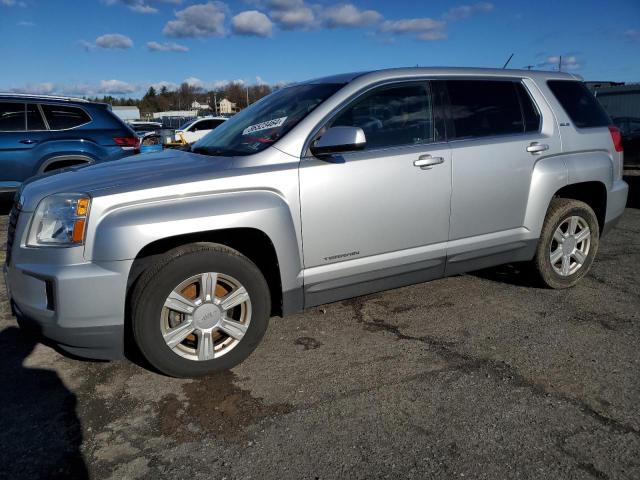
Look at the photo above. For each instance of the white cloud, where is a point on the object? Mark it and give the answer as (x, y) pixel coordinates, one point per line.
(123, 88)
(170, 86)
(348, 15)
(114, 40)
(166, 47)
(26, 24)
(291, 14)
(35, 88)
(141, 6)
(252, 23)
(569, 62)
(466, 11)
(200, 20)
(221, 84)
(117, 87)
(422, 28)
(194, 82)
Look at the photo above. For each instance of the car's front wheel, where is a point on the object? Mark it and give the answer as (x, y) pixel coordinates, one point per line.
(568, 243)
(202, 308)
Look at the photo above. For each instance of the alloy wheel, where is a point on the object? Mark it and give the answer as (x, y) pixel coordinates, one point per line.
(570, 245)
(205, 316)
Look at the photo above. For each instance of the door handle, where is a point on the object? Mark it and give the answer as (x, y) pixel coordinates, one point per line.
(28, 141)
(536, 147)
(426, 162)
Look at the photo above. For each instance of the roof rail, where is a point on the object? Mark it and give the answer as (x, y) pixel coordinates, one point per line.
(48, 97)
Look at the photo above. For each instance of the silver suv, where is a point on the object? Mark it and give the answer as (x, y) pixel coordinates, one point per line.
(321, 191)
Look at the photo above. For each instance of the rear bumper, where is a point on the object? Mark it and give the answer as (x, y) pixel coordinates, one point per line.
(616, 203)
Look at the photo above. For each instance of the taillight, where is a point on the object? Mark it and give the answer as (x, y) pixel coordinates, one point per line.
(616, 137)
(130, 142)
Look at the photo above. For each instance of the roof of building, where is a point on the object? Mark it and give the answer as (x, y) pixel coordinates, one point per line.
(618, 89)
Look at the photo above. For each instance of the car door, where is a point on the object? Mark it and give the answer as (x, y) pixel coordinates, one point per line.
(496, 135)
(16, 145)
(378, 218)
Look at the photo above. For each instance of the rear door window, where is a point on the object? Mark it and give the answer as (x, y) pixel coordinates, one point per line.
(62, 117)
(12, 117)
(579, 103)
(34, 119)
(484, 108)
(392, 116)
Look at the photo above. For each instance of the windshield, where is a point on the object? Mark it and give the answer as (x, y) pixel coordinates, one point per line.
(186, 125)
(265, 122)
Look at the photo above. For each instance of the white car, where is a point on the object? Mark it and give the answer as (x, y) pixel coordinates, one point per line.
(143, 128)
(196, 129)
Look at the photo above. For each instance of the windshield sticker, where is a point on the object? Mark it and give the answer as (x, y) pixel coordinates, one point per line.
(275, 123)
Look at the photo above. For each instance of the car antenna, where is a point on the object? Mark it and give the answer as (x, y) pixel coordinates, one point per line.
(507, 62)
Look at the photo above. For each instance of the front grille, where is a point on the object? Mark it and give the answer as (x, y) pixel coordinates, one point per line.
(11, 231)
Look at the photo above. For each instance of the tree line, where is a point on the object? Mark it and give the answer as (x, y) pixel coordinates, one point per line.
(181, 99)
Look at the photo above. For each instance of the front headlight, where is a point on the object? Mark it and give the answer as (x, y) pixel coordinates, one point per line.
(59, 221)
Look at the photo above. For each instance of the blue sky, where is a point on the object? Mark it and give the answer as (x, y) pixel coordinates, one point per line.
(121, 47)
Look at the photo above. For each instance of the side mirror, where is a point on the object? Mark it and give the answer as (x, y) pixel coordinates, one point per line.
(339, 140)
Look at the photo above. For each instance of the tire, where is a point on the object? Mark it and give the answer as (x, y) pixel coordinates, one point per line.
(559, 216)
(153, 321)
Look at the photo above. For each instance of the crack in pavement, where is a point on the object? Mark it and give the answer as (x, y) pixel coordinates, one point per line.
(468, 363)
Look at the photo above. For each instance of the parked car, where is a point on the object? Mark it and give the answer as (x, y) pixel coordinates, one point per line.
(391, 178)
(143, 128)
(196, 129)
(630, 131)
(151, 143)
(39, 134)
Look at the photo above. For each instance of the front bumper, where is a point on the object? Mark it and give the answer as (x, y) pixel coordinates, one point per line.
(75, 304)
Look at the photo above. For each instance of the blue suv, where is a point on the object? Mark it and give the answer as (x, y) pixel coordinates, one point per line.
(39, 134)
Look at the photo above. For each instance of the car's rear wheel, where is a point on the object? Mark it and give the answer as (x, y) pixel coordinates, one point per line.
(568, 243)
(202, 308)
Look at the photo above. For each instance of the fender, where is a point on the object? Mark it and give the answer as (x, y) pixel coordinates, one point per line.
(80, 159)
(553, 173)
(549, 175)
(49, 152)
(123, 231)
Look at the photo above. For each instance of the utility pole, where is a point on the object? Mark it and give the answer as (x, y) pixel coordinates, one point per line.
(560, 63)
(215, 103)
(247, 89)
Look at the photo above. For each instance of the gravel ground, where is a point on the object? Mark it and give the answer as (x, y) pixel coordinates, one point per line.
(476, 376)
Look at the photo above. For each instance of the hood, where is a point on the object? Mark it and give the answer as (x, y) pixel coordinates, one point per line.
(142, 171)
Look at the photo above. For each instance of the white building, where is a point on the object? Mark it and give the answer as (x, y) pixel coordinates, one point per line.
(200, 106)
(176, 113)
(225, 107)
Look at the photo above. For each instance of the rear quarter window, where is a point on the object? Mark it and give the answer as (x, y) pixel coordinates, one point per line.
(63, 117)
(579, 103)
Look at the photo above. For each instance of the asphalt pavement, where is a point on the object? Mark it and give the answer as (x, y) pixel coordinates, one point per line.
(482, 375)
